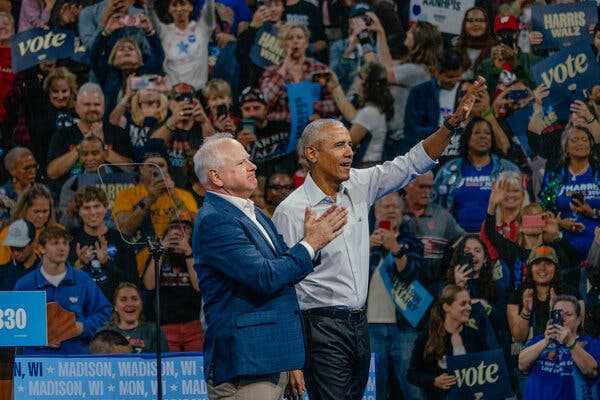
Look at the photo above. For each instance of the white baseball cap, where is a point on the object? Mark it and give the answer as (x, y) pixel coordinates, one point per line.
(20, 233)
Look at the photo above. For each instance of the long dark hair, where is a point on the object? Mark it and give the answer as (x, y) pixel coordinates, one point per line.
(555, 284)
(485, 282)
(428, 44)
(436, 334)
(486, 41)
(376, 89)
(468, 132)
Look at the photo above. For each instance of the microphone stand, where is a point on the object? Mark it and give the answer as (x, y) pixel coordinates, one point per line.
(156, 250)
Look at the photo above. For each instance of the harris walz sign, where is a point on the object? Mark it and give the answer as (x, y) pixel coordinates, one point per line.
(31, 47)
(563, 24)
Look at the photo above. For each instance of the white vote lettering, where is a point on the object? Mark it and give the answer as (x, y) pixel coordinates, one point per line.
(563, 71)
(50, 39)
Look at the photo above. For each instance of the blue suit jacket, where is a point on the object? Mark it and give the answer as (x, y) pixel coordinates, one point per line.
(253, 323)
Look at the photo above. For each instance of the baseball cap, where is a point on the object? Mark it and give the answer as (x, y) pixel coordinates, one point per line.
(153, 148)
(252, 94)
(359, 9)
(506, 22)
(542, 253)
(20, 233)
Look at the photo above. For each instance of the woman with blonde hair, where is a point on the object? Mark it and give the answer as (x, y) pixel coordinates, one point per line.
(36, 206)
(451, 332)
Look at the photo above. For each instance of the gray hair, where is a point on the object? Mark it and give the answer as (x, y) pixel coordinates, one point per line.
(90, 88)
(13, 155)
(513, 177)
(208, 157)
(313, 132)
(569, 130)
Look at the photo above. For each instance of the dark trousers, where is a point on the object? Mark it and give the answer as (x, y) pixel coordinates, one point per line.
(338, 354)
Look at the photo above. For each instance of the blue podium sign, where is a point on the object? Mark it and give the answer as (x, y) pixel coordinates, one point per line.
(23, 319)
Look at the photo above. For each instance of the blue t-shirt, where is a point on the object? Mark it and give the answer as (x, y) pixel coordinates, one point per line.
(590, 189)
(472, 195)
(554, 375)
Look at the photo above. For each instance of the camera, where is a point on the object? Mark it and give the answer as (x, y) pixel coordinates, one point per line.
(556, 317)
(222, 110)
(467, 259)
(184, 97)
(364, 38)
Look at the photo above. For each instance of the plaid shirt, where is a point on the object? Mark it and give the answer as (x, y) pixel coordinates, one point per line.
(274, 87)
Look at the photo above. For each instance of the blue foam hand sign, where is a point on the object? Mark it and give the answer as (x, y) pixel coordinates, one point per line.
(31, 47)
(563, 24)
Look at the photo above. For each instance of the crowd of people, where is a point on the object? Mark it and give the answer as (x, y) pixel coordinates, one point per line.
(113, 147)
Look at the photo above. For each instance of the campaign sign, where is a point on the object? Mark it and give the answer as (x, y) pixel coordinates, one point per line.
(479, 376)
(122, 377)
(410, 298)
(447, 15)
(301, 98)
(31, 47)
(568, 73)
(267, 49)
(563, 24)
(23, 319)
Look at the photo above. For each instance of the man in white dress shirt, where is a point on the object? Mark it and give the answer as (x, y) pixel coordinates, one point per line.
(333, 297)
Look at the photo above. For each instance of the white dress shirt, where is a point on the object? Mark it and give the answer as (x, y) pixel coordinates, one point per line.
(342, 277)
(247, 207)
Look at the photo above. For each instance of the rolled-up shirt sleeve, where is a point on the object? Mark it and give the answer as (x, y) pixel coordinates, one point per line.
(394, 175)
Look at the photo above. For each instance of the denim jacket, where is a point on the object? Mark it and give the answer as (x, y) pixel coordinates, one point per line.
(449, 178)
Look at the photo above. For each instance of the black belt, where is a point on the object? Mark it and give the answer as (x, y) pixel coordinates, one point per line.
(337, 312)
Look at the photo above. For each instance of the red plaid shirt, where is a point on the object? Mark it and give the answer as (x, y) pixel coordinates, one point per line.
(274, 87)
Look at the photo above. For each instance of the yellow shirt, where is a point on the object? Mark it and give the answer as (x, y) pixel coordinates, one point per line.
(5, 252)
(164, 209)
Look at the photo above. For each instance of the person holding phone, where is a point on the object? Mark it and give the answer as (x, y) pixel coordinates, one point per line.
(573, 188)
(217, 94)
(180, 298)
(559, 362)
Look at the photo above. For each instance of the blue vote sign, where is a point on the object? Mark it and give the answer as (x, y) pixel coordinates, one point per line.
(23, 319)
(480, 375)
(568, 73)
(31, 47)
(301, 98)
(563, 24)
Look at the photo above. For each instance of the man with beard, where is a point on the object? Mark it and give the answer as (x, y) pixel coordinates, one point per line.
(97, 249)
(295, 68)
(111, 179)
(429, 103)
(65, 147)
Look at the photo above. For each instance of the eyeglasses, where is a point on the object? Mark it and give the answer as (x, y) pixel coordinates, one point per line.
(472, 20)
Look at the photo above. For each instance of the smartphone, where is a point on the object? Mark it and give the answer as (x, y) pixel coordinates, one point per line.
(387, 225)
(129, 20)
(364, 38)
(187, 97)
(142, 82)
(517, 94)
(368, 20)
(577, 197)
(556, 317)
(467, 259)
(248, 124)
(222, 110)
(533, 221)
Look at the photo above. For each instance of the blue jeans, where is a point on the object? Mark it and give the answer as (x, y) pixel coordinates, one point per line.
(393, 347)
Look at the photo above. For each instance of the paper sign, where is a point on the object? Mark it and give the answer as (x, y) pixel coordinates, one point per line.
(447, 15)
(31, 47)
(267, 49)
(301, 98)
(479, 376)
(23, 318)
(563, 24)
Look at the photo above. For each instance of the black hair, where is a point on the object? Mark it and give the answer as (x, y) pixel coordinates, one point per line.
(468, 132)
(376, 89)
(105, 340)
(451, 59)
(485, 282)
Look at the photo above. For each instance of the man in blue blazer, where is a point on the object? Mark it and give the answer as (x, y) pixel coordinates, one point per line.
(247, 274)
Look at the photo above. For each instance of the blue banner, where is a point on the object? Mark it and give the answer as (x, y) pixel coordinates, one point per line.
(23, 319)
(563, 24)
(31, 47)
(122, 377)
(301, 98)
(567, 74)
(410, 298)
(267, 49)
(479, 376)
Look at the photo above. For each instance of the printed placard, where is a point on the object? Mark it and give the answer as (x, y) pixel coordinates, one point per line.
(480, 375)
(23, 319)
(563, 24)
(301, 98)
(31, 47)
(447, 15)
